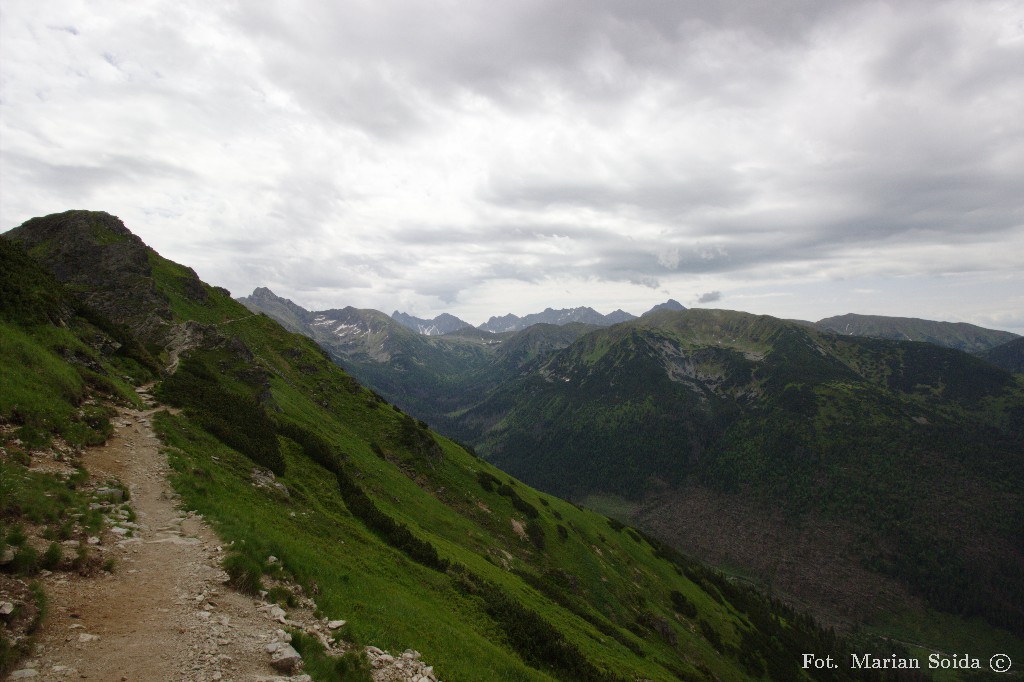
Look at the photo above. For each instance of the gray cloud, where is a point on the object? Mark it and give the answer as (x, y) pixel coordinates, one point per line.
(710, 297)
(448, 156)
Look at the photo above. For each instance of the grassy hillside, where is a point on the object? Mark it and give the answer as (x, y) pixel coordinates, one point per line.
(408, 536)
(1008, 356)
(959, 335)
(909, 452)
(61, 367)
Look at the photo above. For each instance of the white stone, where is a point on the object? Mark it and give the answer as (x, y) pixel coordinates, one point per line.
(286, 659)
(335, 624)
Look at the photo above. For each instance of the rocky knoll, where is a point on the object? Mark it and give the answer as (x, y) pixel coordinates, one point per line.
(103, 263)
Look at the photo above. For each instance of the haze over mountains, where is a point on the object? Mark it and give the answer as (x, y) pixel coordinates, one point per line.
(445, 323)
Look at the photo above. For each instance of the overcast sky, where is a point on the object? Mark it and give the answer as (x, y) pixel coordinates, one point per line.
(479, 157)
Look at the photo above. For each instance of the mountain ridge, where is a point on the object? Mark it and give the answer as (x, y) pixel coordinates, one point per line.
(442, 324)
(737, 404)
(959, 335)
(396, 529)
(726, 365)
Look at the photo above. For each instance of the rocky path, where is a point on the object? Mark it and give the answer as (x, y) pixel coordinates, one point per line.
(164, 611)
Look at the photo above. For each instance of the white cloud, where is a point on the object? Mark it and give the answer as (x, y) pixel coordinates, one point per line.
(469, 156)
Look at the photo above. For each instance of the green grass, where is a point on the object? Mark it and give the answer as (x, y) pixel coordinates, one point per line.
(190, 298)
(948, 634)
(388, 600)
(42, 499)
(387, 523)
(45, 395)
(496, 605)
(38, 389)
(352, 667)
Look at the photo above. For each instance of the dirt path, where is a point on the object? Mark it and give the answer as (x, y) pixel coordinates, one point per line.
(164, 612)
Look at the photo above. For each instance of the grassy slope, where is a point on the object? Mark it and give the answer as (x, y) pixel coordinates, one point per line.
(602, 588)
(915, 448)
(49, 358)
(53, 385)
(391, 600)
(959, 335)
(580, 598)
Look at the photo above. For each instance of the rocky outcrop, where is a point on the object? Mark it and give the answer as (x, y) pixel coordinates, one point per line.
(293, 316)
(284, 658)
(181, 338)
(102, 263)
(406, 667)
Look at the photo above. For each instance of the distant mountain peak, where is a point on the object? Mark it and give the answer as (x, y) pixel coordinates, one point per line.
(563, 316)
(670, 304)
(442, 324)
(290, 314)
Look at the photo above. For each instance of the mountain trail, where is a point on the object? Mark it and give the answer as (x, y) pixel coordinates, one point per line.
(164, 612)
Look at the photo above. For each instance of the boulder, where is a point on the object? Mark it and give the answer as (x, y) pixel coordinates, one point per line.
(284, 658)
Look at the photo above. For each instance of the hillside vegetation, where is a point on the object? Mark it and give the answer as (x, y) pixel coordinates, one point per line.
(875, 481)
(412, 539)
(959, 335)
(910, 451)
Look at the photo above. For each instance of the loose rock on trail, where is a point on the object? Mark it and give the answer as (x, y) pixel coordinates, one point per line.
(165, 611)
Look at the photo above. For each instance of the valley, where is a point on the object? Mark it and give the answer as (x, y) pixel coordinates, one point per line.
(755, 444)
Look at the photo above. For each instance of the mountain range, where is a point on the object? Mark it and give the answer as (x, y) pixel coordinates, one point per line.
(442, 324)
(446, 324)
(410, 537)
(748, 440)
(876, 484)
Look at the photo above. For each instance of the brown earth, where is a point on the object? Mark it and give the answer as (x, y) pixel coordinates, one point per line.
(808, 563)
(164, 613)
